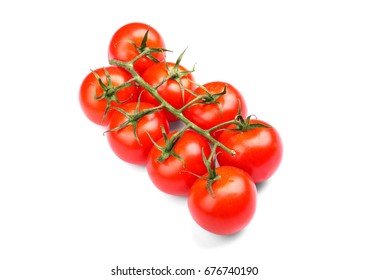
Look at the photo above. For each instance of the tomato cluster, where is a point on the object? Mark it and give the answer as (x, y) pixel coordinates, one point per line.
(218, 154)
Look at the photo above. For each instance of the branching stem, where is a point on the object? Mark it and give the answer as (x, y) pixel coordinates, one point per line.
(178, 113)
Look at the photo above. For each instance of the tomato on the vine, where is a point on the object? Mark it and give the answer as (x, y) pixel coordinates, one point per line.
(94, 97)
(131, 142)
(215, 159)
(230, 207)
(258, 149)
(218, 107)
(171, 90)
(172, 169)
(126, 44)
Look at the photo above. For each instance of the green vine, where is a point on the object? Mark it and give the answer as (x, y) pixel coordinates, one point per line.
(153, 91)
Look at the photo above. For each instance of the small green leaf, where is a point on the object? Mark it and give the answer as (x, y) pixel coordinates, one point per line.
(108, 77)
(155, 60)
(209, 188)
(158, 50)
(154, 142)
(134, 124)
(99, 80)
(257, 125)
(177, 64)
(121, 126)
(144, 40)
(175, 155)
(122, 111)
(105, 112)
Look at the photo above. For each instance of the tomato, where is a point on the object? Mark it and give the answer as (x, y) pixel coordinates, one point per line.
(207, 115)
(258, 150)
(232, 205)
(90, 89)
(171, 175)
(169, 90)
(121, 47)
(123, 141)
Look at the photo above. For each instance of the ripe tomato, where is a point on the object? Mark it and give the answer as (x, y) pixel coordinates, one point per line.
(258, 150)
(121, 47)
(171, 175)
(207, 115)
(93, 108)
(232, 205)
(169, 90)
(123, 141)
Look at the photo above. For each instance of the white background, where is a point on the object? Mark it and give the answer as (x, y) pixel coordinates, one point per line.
(70, 209)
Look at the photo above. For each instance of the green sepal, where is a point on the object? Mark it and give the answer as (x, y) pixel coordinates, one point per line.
(209, 98)
(245, 125)
(110, 91)
(143, 47)
(132, 119)
(211, 170)
(176, 75)
(168, 149)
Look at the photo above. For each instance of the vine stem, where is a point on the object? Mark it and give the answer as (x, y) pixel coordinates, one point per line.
(222, 124)
(153, 91)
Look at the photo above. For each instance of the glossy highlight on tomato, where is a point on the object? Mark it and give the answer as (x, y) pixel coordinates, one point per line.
(232, 205)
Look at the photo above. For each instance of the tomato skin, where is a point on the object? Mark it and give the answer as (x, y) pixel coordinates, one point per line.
(171, 176)
(120, 47)
(258, 151)
(170, 90)
(233, 206)
(123, 142)
(207, 116)
(95, 109)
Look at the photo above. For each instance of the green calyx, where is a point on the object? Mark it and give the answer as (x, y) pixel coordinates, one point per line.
(207, 98)
(245, 125)
(133, 118)
(168, 149)
(146, 50)
(176, 75)
(110, 91)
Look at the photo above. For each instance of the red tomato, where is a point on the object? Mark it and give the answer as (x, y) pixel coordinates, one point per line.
(206, 115)
(258, 151)
(170, 175)
(121, 47)
(232, 206)
(95, 109)
(123, 141)
(170, 90)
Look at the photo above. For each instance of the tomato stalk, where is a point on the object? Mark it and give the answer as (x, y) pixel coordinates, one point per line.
(178, 113)
(168, 149)
(211, 169)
